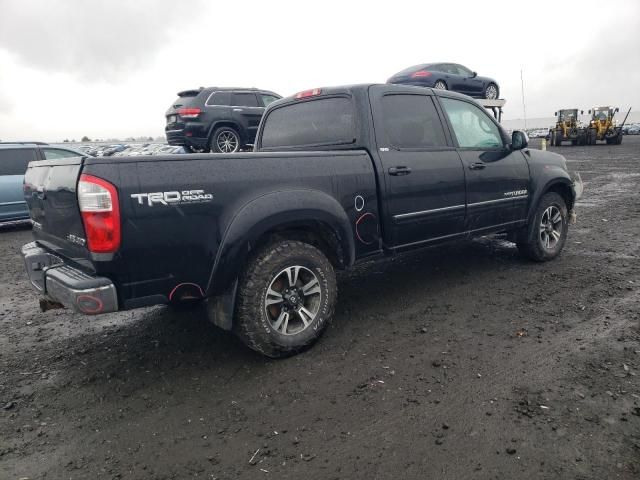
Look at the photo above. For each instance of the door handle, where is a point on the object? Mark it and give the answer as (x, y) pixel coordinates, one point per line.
(477, 166)
(238, 110)
(399, 171)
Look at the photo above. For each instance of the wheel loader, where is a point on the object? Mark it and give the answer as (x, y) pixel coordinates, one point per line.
(568, 128)
(603, 126)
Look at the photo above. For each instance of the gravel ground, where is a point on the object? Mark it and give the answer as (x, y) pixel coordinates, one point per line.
(458, 362)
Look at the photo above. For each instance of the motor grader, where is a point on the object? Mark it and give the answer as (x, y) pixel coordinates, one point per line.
(603, 126)
(568, 128)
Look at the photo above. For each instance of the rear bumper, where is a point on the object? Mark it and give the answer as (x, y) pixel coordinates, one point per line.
(181, 138)
(68, 286)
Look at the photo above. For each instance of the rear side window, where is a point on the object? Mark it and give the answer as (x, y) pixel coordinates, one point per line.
(14, 162)
(412, 121)
(245, 100)
(53, 153)
(219, 98)
(327, 121)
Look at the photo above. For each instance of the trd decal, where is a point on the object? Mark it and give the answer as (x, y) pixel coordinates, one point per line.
(172, 198)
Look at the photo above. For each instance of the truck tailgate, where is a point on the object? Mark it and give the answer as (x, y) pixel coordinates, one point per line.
(50, 192)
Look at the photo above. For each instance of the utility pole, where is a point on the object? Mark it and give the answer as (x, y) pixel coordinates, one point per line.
(524, 107)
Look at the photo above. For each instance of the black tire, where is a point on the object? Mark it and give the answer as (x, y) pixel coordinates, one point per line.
(225, 140)
(440, 85)
(488, 90)
(593, 136)
(532, 240)
(552, 138)
(258, 324)
(559, 138)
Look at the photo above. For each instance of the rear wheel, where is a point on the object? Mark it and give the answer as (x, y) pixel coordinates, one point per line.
(225, 140)
(546, 235)
(286, 298)
(491, 92)
(440, 85)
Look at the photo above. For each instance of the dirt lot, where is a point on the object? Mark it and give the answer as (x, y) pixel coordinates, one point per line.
(457, 362)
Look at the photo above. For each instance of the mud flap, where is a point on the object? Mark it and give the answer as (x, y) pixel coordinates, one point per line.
(220, 309)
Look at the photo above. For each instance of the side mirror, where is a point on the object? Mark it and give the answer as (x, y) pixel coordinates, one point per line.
(519, 140)
(581, 112)
(617, 110)
(474, 74)
(555, 114)
(589, 112)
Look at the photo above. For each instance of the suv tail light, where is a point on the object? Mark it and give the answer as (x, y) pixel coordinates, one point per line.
(100, 210)
(421, 74)
(189, 112)
(308, 93)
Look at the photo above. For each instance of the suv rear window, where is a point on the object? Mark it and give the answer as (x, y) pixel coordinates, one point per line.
(327, 121)
(14, 162)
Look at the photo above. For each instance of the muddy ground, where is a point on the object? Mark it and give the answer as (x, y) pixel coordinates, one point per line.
(458, 362)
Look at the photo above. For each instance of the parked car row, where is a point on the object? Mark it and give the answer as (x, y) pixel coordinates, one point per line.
(122, 149)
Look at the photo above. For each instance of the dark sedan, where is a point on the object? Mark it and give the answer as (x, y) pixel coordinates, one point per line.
(448, 76)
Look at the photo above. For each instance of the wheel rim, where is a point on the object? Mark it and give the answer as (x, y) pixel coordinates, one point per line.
(492, 92)
(440, 85)
(227, 142)
(292, 301)
(551, 227)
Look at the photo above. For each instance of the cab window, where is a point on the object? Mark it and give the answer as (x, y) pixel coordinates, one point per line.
(412, 121)
(472, 127)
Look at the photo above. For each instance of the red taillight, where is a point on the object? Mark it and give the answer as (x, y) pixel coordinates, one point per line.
(189, 112)
(308, 93)
(421, 74)
(100, 210)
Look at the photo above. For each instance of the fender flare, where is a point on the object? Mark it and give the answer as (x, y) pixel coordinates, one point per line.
(287, 208)
(539, 192)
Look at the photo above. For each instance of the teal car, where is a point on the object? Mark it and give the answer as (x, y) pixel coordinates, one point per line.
(14, 159)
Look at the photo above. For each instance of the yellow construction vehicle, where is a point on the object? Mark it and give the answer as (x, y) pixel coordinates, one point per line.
(568, 128)
(603, 127)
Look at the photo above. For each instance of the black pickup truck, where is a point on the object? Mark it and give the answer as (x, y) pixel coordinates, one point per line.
(338, 175)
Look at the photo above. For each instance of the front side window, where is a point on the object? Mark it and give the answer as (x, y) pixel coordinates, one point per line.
(411, 121)
(267, 99)
(472, 127)
(465, 72)
(326, 121)
(245, 100)
(53, 153)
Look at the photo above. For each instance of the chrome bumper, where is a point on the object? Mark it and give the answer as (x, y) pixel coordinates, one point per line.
(68, 286)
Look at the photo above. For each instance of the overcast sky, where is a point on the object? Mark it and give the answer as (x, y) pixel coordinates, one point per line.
(110, 68)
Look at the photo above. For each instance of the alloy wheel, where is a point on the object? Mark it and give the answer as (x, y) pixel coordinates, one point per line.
(292, 301)
(551, 227)
(492, 92)
(227, 142)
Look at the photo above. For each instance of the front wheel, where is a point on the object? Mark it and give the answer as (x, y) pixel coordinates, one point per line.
(491, 92)
(286, 298)
(546, 235)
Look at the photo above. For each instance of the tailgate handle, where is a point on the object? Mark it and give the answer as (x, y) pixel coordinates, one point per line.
(399, 171)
